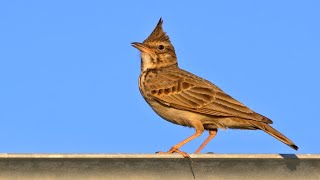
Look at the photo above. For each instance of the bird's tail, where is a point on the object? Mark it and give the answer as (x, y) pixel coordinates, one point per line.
(270, 130)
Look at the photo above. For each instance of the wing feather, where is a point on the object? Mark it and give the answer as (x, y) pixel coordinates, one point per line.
(183, 90)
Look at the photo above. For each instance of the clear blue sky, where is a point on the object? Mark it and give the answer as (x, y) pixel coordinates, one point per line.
(69, 76)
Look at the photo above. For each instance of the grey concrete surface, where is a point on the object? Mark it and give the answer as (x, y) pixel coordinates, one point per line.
(156, 166)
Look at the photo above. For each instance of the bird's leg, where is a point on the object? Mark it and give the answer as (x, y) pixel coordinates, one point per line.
(212, 134)
(175, 148)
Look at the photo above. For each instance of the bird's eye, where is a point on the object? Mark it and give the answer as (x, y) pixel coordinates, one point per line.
(161, 47)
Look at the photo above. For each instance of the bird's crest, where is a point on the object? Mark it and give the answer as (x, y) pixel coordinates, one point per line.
(158, 34)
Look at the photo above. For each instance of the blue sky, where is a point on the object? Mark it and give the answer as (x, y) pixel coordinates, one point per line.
(69, 76)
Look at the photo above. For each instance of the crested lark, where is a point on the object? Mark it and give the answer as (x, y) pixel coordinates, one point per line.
(188, 100)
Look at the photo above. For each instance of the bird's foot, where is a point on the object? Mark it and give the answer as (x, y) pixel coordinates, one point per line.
(175, 150)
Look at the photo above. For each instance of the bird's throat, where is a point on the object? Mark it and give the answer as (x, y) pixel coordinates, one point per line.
(147, 61)
(154, 62)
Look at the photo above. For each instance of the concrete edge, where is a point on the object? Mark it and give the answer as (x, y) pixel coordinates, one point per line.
(158, 156)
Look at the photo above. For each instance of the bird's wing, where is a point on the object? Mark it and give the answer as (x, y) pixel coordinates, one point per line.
(182, 90)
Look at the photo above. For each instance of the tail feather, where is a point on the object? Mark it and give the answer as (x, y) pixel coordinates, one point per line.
(273, 132)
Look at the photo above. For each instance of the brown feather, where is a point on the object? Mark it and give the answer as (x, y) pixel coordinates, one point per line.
(196, 94)
(157, 34)
(273, 132)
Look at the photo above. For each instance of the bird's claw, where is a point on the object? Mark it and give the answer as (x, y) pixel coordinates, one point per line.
(175, 150)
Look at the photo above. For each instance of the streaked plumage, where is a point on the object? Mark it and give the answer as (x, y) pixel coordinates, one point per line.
(186, 99)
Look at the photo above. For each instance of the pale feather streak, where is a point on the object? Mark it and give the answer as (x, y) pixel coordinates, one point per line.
(185, 100)
(199, 102)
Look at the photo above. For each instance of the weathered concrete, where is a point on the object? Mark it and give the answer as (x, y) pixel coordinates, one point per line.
(156, 166)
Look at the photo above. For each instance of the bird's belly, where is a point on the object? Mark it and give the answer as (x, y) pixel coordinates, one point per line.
(186, 118)
(173, 115)
(177, 116)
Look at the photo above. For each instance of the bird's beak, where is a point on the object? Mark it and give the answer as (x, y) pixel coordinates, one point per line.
(142, 47)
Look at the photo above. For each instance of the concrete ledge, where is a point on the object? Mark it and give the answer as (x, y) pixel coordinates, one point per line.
(156, 166)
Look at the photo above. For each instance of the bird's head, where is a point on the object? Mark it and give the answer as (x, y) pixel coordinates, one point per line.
(157, 50)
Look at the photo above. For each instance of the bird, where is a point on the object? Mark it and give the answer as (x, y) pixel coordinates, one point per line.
(185, 99)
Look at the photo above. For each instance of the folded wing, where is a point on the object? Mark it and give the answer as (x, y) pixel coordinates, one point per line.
(183, 90)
